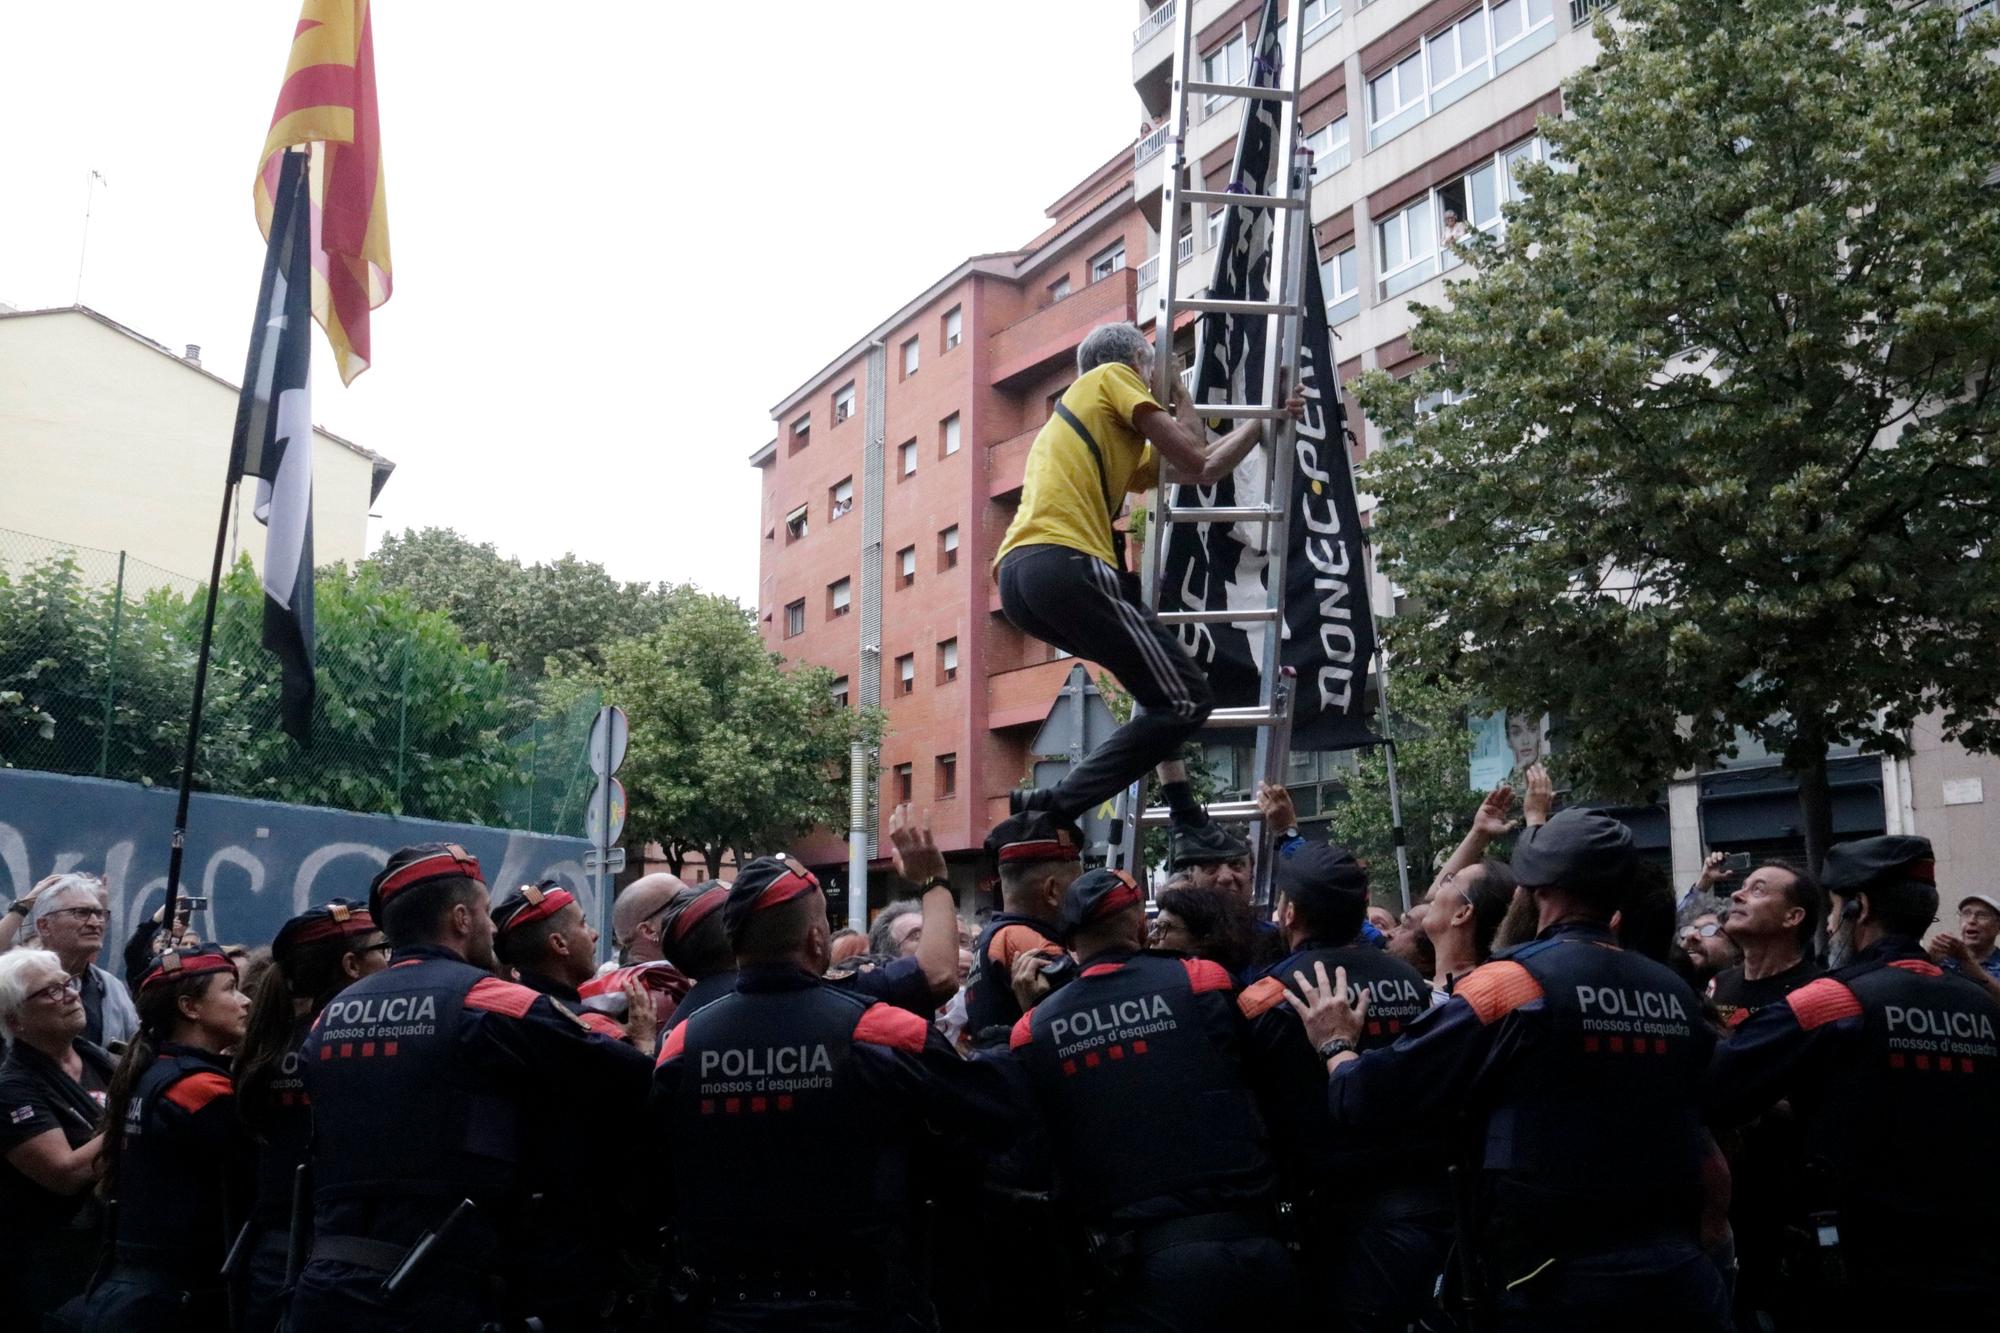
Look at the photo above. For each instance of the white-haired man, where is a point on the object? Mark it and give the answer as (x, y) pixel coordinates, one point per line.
(1062, 562)
(70, 916)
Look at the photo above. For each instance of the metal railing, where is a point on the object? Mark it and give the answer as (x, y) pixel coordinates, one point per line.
(1149, 147)
(1581, 10)
(1153, 23)
(1149, 272)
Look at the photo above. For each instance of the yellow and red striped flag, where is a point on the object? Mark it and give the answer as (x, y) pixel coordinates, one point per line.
(328, 103)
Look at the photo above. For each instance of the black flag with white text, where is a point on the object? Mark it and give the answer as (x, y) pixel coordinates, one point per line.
(1329, 630)
(274, 442)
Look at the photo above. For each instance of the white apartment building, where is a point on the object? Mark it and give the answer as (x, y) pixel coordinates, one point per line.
(1417, 111)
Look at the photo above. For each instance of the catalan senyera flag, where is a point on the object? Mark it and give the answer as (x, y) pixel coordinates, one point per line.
(328, 104)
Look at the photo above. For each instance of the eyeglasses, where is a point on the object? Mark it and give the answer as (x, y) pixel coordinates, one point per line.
(383, 947)
(56, 991)
(1707, 932)
(81, 913)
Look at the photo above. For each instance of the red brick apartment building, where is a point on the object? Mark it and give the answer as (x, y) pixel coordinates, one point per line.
(959, 379)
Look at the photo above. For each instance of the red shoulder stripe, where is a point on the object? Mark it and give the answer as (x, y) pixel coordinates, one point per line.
(1023, 1033)
(199, 1089)
(1918, 966)
(494, 996)
(886, 1025)
(1206, 976)
(603, 1024)
(676, 1042)
(1260, 997)
(1824, 1001)
(1498, 989)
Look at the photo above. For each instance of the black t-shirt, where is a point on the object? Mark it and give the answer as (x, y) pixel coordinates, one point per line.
(1737, 997)
(36, 1096)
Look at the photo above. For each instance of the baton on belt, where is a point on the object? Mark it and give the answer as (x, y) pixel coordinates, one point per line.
(427, 1244)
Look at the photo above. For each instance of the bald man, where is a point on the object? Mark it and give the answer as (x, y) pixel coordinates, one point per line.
(635, 917)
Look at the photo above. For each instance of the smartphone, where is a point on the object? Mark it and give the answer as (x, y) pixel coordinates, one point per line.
(1736, 862)
(194, 904)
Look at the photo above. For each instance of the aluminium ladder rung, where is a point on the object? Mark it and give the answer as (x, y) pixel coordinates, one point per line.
(1256, 715)
(1254, 615)
(1243, 411)
(1226, 198)
(1210, 306)
(1219, 811)
(1256, 92)
(1231, 514)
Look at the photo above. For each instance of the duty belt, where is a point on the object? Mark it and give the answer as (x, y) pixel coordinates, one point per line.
(377, 1256)
(1153, 1237)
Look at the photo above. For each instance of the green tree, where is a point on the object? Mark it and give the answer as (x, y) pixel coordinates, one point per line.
(1722, 402)
(1433, 755)
(731, 751)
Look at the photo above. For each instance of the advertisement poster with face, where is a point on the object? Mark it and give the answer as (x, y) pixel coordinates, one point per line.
(1504, 745)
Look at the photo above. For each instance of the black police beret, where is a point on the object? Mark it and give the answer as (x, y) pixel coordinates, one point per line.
(1205, 844)
(1868, 863)
(1318, 873)
(1035, 835)
(1097, 894)
(180, 964)
(334, 919)
(689, 906)
(765, 883)
(530, 903)
(1578, 848)
(420, 864)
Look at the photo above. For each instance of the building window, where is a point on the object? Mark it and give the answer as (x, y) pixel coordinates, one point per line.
(1405, 248)
(1228, 63)
(906, 456)
(906, 673)
(843, 402)
(1059, 289)
(802, 432)
(906, 566)
(795, 618)
(1414, 243)
(1396, 98)
(1330, 147)
(947, 777)
(1107, 263)
(947, 661)
(909, 358)
(903, 793)
(795, 525)
(1319, 16)
(1457, 53)
(1338, 276)
(839, 598)
(948, 436)
(948, 548)
(840, 499)
(840, 691)
(954, 328)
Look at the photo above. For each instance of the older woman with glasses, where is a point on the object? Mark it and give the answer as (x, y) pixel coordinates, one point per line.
(53, 1087)
(71, 918)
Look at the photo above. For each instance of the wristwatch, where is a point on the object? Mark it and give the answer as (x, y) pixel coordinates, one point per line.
(1333, 1046)
(20, 907)
(936, 882)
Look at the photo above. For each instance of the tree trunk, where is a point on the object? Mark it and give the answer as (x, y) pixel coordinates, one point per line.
(1815, 808)
(676, 856)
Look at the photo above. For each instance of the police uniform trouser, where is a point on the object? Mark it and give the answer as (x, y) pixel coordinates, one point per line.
(334, 1297)
(1660, 1288)
(1378, 1266)
(137, 1299)
(1202, 1285)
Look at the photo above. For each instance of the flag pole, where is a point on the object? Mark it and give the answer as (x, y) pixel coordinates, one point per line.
(1395, 793)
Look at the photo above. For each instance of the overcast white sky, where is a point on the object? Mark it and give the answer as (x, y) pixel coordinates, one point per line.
(622, 229)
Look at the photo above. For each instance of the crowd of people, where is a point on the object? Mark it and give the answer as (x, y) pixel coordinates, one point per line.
(1551, 1095)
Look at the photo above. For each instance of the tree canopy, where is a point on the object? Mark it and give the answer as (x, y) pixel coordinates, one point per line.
(1718, 406)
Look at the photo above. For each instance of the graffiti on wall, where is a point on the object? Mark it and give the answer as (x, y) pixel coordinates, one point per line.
(256, 862)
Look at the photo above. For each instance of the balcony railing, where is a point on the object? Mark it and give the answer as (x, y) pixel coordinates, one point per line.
(1149, 273)
(1153, 22)
(1581, 10)
(1150, 147)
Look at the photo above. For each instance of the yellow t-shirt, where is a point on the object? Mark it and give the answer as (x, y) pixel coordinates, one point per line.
(1062, 498)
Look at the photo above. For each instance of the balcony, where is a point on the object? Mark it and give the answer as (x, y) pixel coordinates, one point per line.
(1581, 11)
(1150, 146)
(1154, 23)
(1053, 332)
(1153, 58)
(1023, 696)
(1006, 462)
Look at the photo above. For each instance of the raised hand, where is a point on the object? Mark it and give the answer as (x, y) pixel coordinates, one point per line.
(911, 845)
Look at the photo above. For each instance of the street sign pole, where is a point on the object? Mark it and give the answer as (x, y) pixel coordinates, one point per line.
(604, 818)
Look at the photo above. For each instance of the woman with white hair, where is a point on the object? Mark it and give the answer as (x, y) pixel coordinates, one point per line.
(53, 1089)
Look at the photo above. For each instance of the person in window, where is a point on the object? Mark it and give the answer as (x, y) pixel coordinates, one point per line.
(52, 1092)
(1061, 565)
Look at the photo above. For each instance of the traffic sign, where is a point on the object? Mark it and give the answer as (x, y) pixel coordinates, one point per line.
(610, 727)
(613, 861)
(593, 814)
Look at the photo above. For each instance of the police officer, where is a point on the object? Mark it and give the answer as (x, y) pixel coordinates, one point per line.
(693, 940)
(791, 1114)
(1378, 1217)
(1137, 1068)
(1039, 854)
(539, 932)
(177, 1159)
(316, 954)
(427, 1079)
(1571, 1070)
(1881, 1058)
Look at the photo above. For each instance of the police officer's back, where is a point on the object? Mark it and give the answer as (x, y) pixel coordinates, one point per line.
(792, 1115)
(1377, 1215)
(1571, 1071)
(1137, 1066)
(1038, 855)
(1881, 1059)
(424, 1079)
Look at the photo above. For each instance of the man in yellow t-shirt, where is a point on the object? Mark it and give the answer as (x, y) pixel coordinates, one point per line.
(1060, 562)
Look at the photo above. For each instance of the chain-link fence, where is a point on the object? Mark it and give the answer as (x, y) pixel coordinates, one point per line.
(97, 662)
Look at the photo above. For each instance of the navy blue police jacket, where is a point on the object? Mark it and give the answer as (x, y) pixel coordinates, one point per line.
(791, 1114)
(1877, 1058)
(426, 1077)
(184, 1167)
(990, 1007)
(900, 982)
(1570, 1073)
(1137, 1068)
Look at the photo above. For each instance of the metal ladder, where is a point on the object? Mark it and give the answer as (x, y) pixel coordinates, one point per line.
(1290, 237)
